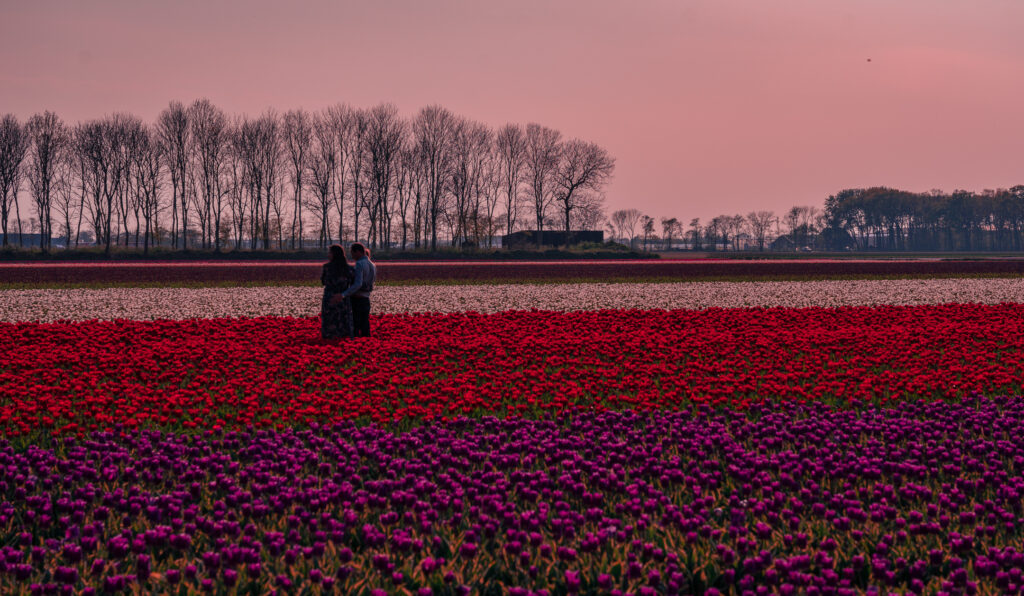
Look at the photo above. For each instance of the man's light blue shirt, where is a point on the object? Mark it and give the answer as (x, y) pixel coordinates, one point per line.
(362, 285)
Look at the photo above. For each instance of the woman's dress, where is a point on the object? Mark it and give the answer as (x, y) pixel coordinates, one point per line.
(335, 319)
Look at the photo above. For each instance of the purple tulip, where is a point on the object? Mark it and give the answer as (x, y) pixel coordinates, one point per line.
(66, 575)
(572, 581)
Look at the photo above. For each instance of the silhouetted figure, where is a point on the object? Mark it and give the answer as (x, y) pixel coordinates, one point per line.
(359, 291)
(336, 308)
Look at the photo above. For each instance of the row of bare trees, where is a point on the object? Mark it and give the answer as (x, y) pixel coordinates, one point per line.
(32, 153)
(755, 231)
(199, 178)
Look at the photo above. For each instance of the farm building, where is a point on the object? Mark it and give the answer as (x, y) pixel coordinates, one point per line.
(528, 238)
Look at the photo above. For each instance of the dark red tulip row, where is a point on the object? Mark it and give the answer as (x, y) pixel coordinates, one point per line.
(280, 272)
(275, 372)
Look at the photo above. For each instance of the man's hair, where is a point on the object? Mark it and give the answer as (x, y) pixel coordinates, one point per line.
(358, 247)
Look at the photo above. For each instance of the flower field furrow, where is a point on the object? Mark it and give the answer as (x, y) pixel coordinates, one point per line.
(302, 301)
(160, 272)
(269, 372)
(918, 497)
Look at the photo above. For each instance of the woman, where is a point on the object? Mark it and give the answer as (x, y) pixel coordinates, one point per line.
(336, 310)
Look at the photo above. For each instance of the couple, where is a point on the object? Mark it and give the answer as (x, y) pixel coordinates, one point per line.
(345, 309)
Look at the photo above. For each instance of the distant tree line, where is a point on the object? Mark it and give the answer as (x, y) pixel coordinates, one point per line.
(890, 219)
(199, 178)
(757, 231)
(877, 218)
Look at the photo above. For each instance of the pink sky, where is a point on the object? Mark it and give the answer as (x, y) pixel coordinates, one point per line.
(710, 107)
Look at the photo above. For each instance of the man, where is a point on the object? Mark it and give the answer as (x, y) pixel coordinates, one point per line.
(360, 290)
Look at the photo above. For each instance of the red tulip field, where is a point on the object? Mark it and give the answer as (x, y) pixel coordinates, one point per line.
(747, 450)
(276, 372)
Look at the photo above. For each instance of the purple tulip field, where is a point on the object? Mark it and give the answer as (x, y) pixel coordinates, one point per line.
(919, 497)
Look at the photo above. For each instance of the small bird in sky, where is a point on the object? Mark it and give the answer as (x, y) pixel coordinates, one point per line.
(869, 59)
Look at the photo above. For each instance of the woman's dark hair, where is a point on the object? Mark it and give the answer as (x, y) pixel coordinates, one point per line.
(337, 252)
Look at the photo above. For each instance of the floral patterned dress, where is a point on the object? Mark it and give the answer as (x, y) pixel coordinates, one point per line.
(336, 319)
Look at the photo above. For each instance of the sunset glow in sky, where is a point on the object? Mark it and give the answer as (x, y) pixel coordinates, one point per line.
(710, 107)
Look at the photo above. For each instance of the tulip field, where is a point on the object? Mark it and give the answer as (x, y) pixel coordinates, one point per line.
(433, 272)
(210, 302)
(839, 436)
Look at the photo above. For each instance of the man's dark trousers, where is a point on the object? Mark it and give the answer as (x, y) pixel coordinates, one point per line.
(361, 316)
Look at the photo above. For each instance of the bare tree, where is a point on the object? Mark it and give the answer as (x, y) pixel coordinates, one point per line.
(802, 223)
(716, 232)
(209, 141)
(669, 229)
(617, 223)
(542, 159)
(112, 160)
(277, 206)
(258, 143)
(77, 154)
(14, 142)
(48, 140)
(793, 219)
(583, 167)
(357, 157)
(385, 132)
(471, 143)
(247, 146)
(407, 186)
(297, 132)
(342, 120)
(587, 214)
(696, 234)
(434, 129)
(65, 199)
(812, 220)
(271, 158)
(647, 225)
(147, 165)
(491, 185)
(323, 172)
(236, 176)
(726, 229)
(130, 131)
(760, 222)
(734, 223)
(417, 187)
(625, 221)
(511, 145)
(175, 133)
(94, 172)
